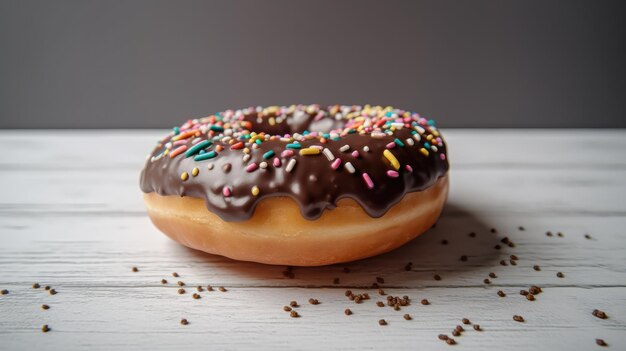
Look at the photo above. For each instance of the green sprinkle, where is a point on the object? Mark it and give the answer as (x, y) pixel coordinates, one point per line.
(217, 128)
(268, 154)
(198, 147)
(293, 146)
(176, 130)
(352, 131)
(258, 141)
(205, 156)
(399, 143)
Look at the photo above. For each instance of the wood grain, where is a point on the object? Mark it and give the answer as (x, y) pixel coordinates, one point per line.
(71, 217)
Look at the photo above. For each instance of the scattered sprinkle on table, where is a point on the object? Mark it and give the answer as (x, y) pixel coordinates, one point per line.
(347, 312)
(45, 307)
(599, 314)
(382, 322)
(518, 318)
(45, 328)
(36, 286)
(184, 321)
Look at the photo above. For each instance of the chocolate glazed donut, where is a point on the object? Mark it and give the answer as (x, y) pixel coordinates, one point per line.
(235, 160)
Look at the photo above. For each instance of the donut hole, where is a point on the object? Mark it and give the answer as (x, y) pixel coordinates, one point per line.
(296, 123)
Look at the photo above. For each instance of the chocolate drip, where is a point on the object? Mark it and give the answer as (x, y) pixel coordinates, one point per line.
(312, 183)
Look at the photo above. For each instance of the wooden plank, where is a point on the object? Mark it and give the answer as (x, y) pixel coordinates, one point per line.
(69, 252)
(471, 148)
(252, 318)
(517, 191)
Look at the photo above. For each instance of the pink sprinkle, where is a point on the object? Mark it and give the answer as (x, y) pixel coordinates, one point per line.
(286, 153)
(393, 174)
(180, 142)
(442, 156)
(336, 163)
(226, 191)
(408, 168)
(368, 180)
(277, 162)
(391, 145)
(355, 154)
(252, 167)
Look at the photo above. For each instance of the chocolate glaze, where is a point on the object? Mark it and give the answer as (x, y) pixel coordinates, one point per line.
(312, 184)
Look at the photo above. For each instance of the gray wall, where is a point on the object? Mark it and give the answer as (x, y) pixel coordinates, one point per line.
(140, 63)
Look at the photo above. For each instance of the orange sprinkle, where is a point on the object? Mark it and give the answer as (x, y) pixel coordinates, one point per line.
(179, 150)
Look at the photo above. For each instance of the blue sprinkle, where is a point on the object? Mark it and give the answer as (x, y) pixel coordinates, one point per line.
(427, 145)
(205, 156)
(431, 122)
(398, 142)
(293, 146)
(176, 130)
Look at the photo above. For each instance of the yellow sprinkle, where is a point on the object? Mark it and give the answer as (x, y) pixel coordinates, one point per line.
(435, 133)
(272, 121)
(195, 171)
(424, 151)
(255, 190)
(246, 150)
(429, 137)
(392, 159)
(184, 176)
(167, 151)
(309, 151)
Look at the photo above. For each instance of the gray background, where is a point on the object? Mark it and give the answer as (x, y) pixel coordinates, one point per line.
(140, 63)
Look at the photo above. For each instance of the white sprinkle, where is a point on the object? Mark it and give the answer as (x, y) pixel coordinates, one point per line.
(246, 157)
(410, 141)
(366, 148)
(226, 139)
(338, 116)
(419, 129)
(434, 148)
(319, 147)
(349, 167)
(329, 154)
(378, 135)
(344, 148)
(263, 165)
(259, 120)
(417, 137)
(398, 125)
(210, 166)
(290, 165)
(168, 145)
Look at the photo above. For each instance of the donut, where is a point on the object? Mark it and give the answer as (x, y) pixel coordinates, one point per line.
(299, 185)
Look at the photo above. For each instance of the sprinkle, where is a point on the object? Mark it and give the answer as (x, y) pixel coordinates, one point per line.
(290, 165)
(309, 151)
(237, 146)
(294, 146)
(366, 148)
(268, 154)
(392, 174)
(391, 145)
(368, 180)
(210, 166)
(408, 168)
(344, 148)
(329, 154)
(246, 157)
(398, 142)
(199, 146)
(392, 159)
(349, 167)
(410, 141)
(286, 153)
(442, 156)
(226, 191)
(277, 162)
(178, 151)
(216, 128)
(252, 167)
(255, 190)
(184, 176)
(355, 154)
(424, 151)
(336, 163)
(195, 171)
(205, 156)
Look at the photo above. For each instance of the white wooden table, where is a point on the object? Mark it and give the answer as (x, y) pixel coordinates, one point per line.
(71, 216)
